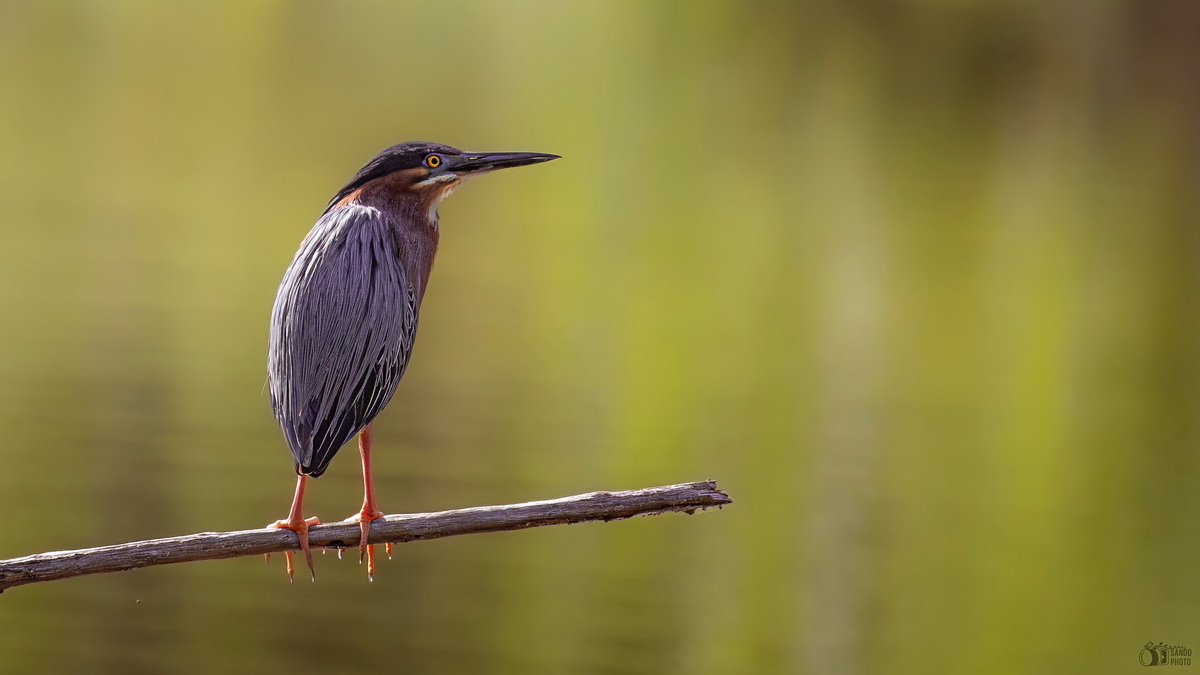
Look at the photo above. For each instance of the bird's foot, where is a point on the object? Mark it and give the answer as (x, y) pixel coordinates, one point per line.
(364, 519)
(300, 527)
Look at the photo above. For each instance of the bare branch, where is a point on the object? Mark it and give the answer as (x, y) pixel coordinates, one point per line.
(685, 497)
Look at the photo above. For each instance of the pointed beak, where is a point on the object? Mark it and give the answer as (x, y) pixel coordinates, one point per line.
(473, 163)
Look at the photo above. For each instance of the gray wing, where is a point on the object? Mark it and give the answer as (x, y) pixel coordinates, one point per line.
(341, 334)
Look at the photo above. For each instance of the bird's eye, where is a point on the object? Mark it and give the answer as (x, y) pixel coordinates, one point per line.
(433, 161)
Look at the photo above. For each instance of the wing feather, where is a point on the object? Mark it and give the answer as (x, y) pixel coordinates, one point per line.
(341, 334)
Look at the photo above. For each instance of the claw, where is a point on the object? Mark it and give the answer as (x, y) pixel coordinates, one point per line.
(301, 530)
(364, 527)
(370, 563)
(366, 551)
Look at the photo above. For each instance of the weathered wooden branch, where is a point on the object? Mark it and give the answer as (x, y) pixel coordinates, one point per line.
(685, 497)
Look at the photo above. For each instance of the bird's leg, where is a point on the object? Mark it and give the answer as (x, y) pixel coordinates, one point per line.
(369, 510)
(298, 524)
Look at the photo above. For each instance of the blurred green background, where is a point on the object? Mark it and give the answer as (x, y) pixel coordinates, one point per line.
(915, 281)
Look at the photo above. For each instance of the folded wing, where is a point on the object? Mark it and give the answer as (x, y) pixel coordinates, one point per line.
(341, 334)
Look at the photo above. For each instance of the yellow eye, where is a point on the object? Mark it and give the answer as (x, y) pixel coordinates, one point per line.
(433, 161)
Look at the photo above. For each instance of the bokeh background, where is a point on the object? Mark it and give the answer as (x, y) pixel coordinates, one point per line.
(915, 281)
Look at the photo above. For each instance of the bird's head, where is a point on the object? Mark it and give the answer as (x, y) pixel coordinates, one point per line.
(428, 172)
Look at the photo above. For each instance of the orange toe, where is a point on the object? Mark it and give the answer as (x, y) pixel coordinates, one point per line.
(300, 527)
(364, 519)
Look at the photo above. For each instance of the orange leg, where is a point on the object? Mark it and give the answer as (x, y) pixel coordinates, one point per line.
(297, 523)
(369, 510)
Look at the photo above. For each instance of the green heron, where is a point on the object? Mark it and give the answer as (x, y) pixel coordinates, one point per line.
(345, 317)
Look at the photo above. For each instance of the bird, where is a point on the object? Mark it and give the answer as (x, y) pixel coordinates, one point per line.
(345, 316)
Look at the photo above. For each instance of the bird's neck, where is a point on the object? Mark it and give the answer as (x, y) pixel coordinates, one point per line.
(416, 246)
(412, 216)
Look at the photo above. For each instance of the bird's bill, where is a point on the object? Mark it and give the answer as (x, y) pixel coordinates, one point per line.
(482, 162)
